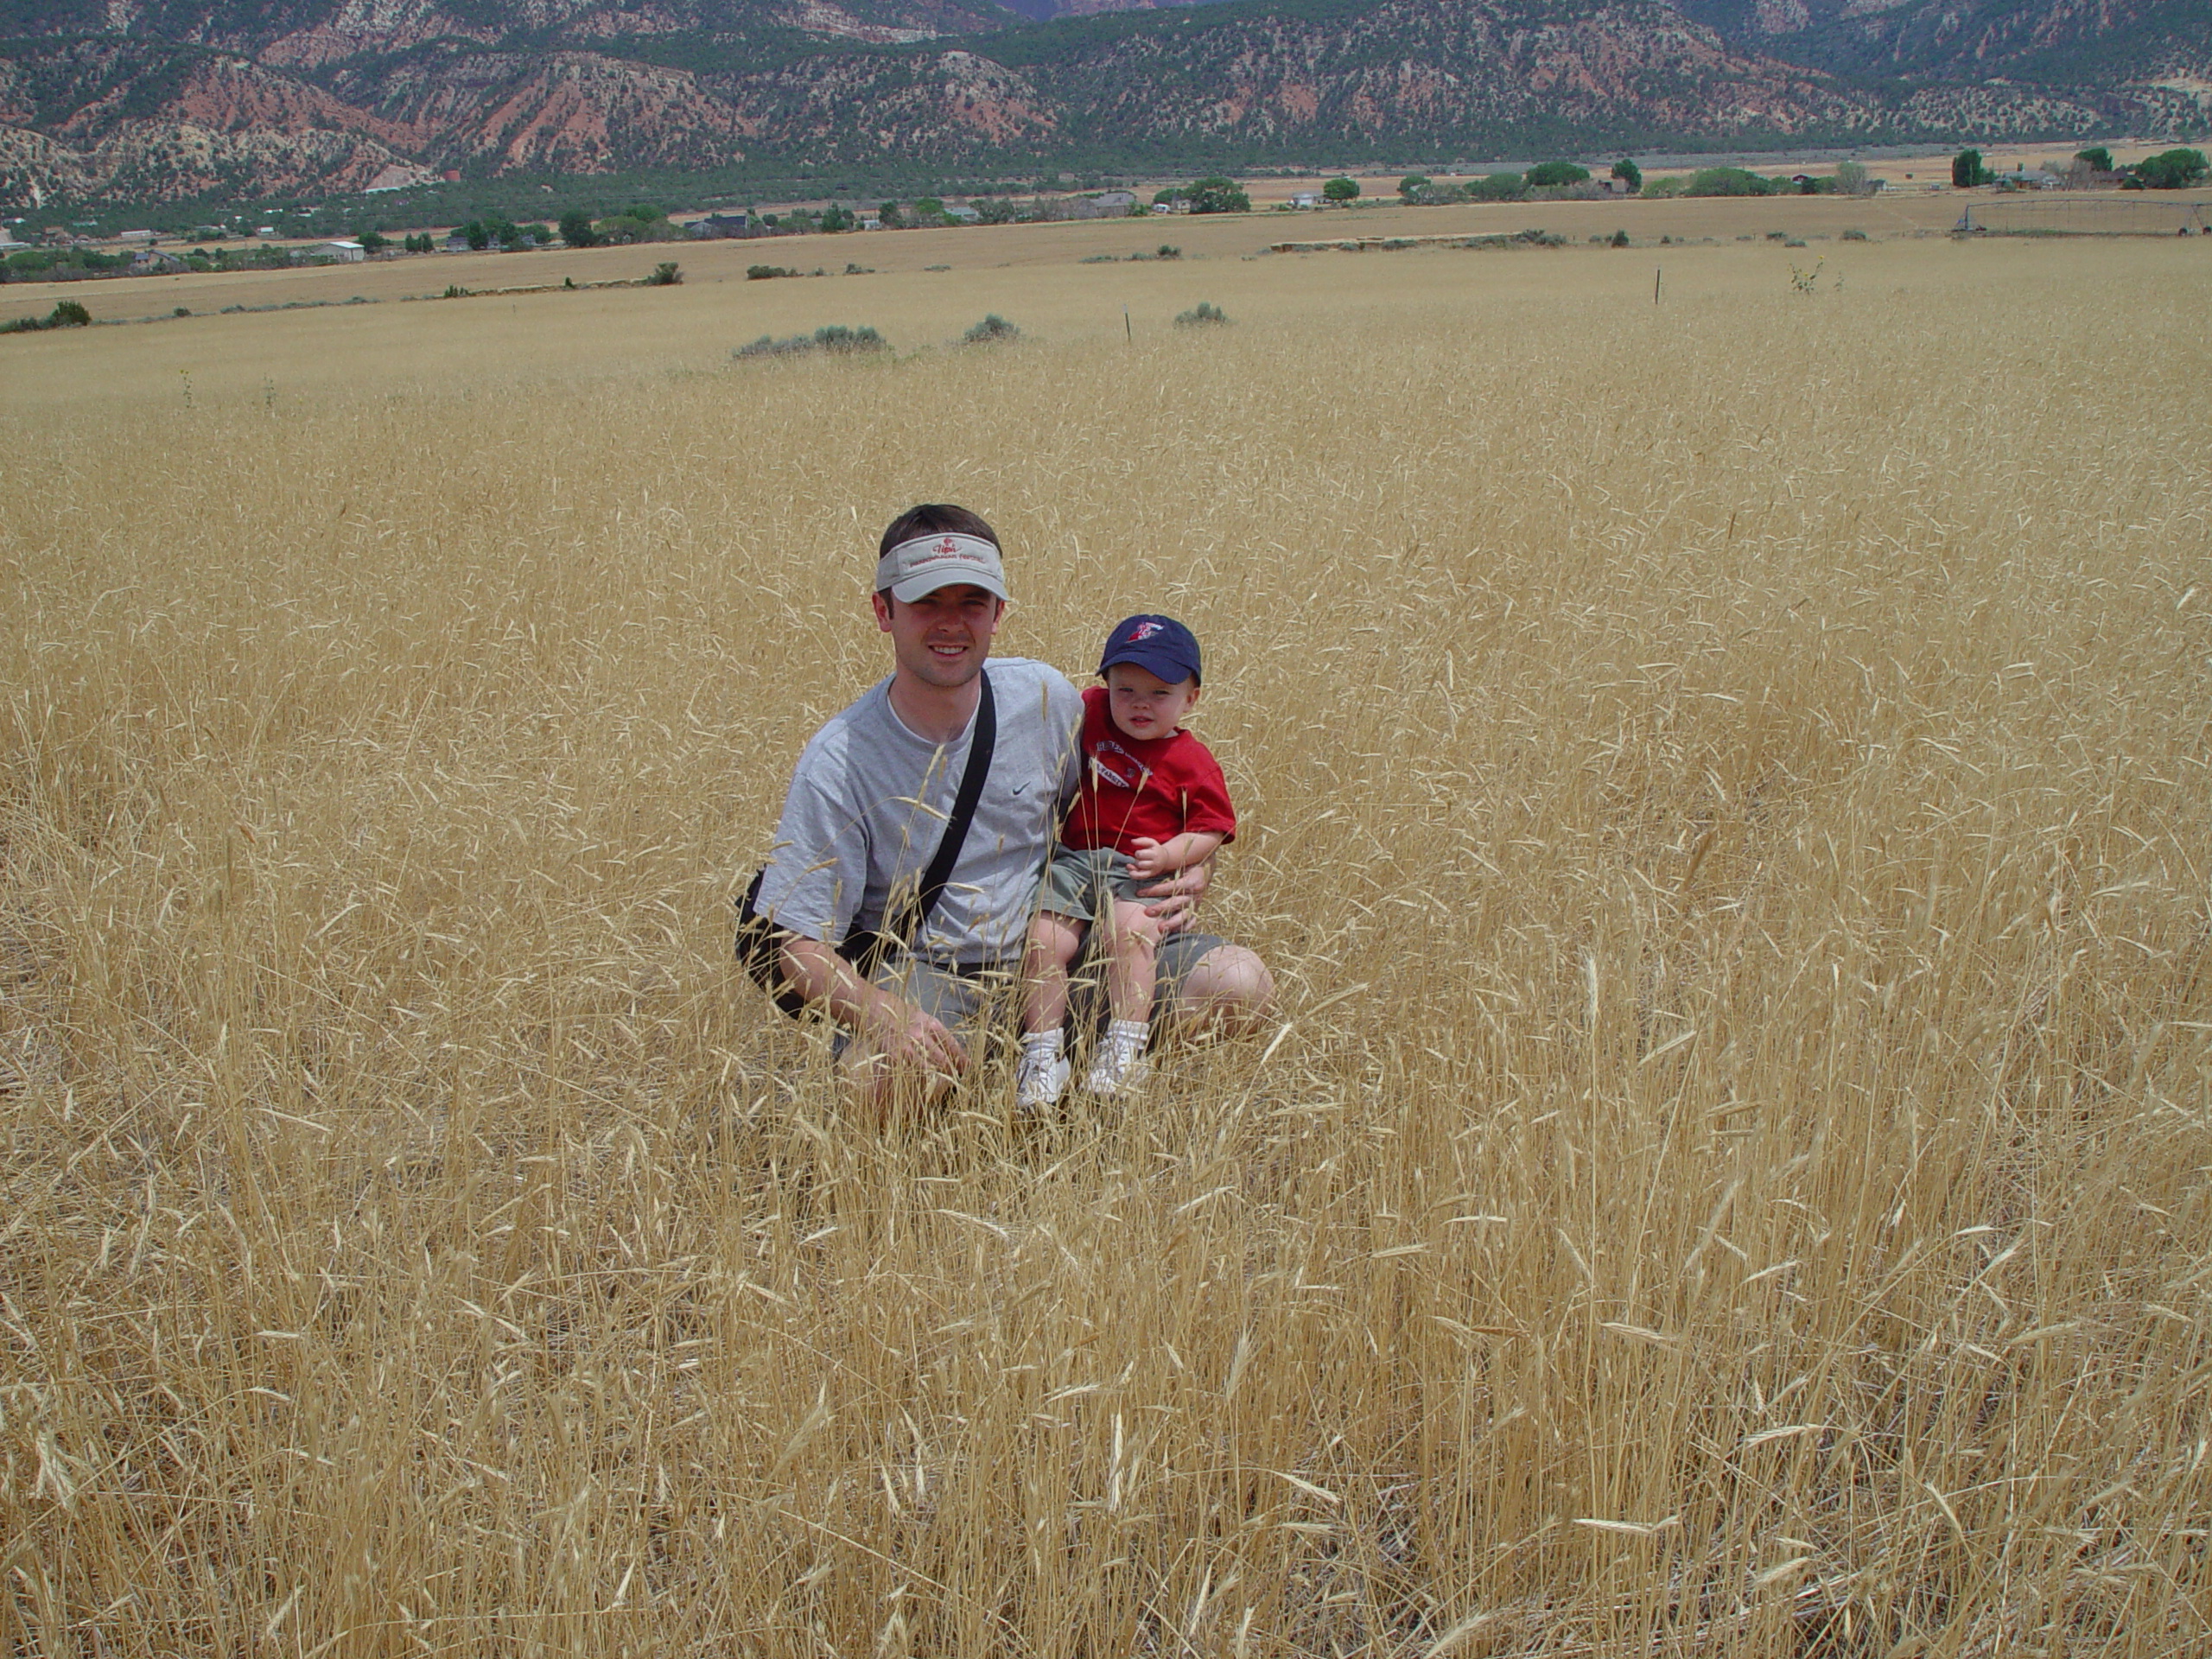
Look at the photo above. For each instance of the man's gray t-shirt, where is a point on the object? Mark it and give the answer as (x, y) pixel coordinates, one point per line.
(868, 803)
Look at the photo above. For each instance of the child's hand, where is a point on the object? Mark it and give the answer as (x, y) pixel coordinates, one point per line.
(1147, 858)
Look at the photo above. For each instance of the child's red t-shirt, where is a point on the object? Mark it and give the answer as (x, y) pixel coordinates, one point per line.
(1157, 787)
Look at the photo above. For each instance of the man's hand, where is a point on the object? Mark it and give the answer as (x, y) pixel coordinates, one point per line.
(905, 1036)
(1173, 902)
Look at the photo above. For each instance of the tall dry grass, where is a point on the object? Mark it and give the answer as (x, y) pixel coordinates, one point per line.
(1728, 810)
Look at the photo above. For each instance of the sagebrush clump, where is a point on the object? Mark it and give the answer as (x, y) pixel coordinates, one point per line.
(835, 338)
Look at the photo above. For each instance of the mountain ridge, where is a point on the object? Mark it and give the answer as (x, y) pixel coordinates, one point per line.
(178, 98)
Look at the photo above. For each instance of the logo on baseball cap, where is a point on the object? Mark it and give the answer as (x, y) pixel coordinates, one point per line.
(922, 564)
(1159, 645)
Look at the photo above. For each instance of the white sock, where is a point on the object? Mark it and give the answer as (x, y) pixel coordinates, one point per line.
(1127, 1038)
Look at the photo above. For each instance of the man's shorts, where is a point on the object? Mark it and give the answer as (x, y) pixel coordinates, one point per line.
(1082, 883)
(970, 1000)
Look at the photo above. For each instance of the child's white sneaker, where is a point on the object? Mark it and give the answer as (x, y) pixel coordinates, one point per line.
(1120, 1066)
(1041, 1076)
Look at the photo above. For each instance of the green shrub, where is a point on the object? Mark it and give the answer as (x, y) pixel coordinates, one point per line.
(1204, 314)
(992, 330)
(2175, 169)
(665, 275)
(67, 314)
(1854, 236)
(1629, 173)
(1727, 181)
(1169, 251)
(1498, 187)
(835, 339)
(1218, 195)
(1341, 190)
(1619, 239)
(1550, 175)
(762, 273)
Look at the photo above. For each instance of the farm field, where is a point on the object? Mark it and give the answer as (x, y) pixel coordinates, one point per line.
(917, 284)
(1728, 807)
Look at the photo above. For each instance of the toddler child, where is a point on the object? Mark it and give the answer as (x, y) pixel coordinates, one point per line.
(1153, 802)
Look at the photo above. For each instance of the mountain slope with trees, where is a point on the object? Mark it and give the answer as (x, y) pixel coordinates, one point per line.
(178, 98)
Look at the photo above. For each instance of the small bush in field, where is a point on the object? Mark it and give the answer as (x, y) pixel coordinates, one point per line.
(993, 329)
(835, 339)
(1204, 314)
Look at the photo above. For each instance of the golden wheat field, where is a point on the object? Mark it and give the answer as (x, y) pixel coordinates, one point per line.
(1726, 802)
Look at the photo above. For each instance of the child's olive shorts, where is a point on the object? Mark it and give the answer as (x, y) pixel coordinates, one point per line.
(1080, 884)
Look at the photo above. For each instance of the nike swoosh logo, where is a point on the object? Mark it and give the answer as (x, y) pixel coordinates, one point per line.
(1018, 788)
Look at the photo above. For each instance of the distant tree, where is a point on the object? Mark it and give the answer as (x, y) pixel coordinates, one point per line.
(2175, 169)
(928, 210)
(1165, 198)
(1547, 175)
(541, 234)
(1629, 173)
(478, 237)
(1726, 182)
(505, 232)
(888, 216)
(2096, 158)
(997, 210)
(1341, 190)
(1850, 179)
(575, 229)
(835, 218)
(1412, 185)
(1498, 187)
(1218, 195)
(1967, 170)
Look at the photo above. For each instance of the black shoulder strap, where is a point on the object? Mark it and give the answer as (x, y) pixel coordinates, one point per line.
(935, 879)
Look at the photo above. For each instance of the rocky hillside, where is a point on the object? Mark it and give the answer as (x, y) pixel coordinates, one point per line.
(175, 99)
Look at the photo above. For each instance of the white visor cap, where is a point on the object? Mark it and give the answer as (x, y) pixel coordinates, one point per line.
(922, 564)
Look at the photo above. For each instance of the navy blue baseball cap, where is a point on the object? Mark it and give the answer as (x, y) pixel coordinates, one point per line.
(1159, 645)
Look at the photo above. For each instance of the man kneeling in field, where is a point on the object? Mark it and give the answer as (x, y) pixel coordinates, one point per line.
(874, 796)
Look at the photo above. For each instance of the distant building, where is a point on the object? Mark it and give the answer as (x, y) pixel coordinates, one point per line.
(144, 239)
(735, 226)
(154, 262)
(961, 210)
(1305, 198)
(343, 253)
(1107, 204)
(871, 221)
(457, 242)
(267, 232)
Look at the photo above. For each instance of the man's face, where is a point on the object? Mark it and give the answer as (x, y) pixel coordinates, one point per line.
(941, 638)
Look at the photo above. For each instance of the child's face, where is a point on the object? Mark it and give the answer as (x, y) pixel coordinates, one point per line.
(1145, 706)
